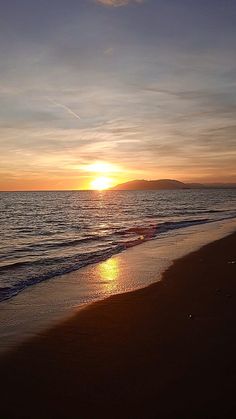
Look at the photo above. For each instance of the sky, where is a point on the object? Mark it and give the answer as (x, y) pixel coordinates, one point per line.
(118, 89)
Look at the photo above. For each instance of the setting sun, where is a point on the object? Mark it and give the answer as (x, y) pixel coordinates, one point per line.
(101, 183)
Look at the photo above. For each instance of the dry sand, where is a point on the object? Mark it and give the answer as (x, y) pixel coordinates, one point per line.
(166, 351)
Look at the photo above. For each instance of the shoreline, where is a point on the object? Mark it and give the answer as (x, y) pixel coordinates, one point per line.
(167, 350)
(48, 303)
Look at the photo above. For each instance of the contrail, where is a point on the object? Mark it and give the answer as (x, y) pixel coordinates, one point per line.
(66, 108)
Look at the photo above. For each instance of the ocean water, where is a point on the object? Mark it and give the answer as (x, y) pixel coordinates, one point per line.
(47, 234)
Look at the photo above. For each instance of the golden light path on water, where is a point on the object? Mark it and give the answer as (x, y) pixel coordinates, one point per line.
(108, 272)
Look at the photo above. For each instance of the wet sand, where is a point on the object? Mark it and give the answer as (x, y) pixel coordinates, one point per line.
(166, 351)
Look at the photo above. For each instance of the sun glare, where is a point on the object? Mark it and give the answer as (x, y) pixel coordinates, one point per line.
(101, 183)
(102, 167)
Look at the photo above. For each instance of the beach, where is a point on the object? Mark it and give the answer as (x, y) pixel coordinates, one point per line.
(118, 209)
(164, 351)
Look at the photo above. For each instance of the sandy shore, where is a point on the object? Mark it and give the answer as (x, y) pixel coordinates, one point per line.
(166, 351)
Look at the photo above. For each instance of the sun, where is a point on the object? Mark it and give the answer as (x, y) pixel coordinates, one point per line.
(101, 183)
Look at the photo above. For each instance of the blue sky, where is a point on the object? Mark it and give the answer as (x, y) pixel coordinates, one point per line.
(148, 86)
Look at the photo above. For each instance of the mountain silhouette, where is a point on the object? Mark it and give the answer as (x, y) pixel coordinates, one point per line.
(151, 185)
(161, 184)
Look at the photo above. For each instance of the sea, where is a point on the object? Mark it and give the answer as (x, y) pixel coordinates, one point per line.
(47, 234)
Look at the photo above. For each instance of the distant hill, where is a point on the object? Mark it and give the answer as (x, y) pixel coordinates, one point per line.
(144, 185)
(150, 185)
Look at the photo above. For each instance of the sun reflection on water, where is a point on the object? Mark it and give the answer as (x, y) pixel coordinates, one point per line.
(109, 272)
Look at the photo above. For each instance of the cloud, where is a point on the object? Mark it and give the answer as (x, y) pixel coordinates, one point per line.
(160, 110)
(117, 3)
(109, 51)
(66, 108)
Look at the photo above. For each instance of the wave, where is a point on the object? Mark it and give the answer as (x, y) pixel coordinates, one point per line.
(56, 244)
(31, 272)
(58, 267)
(154, 229)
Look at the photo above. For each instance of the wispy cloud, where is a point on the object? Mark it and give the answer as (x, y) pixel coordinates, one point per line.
(117, 3)
(66, 108)
(109, 51)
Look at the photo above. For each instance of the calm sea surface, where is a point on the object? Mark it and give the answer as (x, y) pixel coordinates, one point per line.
(46, 234)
